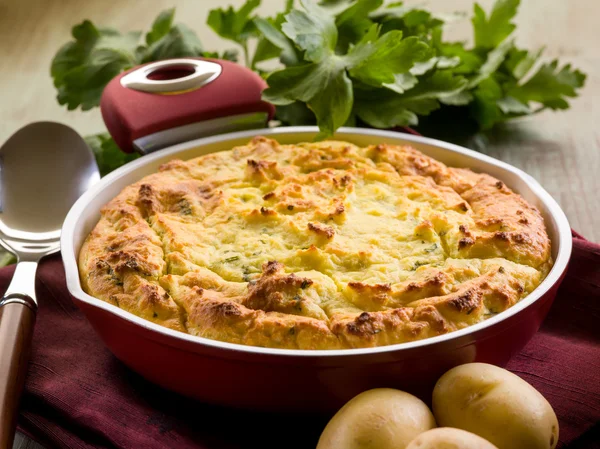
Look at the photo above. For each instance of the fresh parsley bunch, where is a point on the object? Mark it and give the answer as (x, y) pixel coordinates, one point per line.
(341, 62)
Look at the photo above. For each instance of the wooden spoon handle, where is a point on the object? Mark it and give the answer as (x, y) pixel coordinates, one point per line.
(17, 318)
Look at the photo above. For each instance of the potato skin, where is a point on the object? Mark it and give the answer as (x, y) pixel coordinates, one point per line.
(382, 418)
(449, 438)
(497, 405)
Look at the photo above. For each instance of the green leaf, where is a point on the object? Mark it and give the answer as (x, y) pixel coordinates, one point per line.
(520, 62)
(420, 106)
(420, 68)
(334, 105)
(323, 83)
(265, 50)
(357, 11)
(161, 26)
(485, 109)
(512, 106)
(108, 155)
(402, 82)
(447, 63)
(377, 62)
(312, 30)
(6, 258)
(229, 55)
(295, 114)
(461, 98)
(493, 61)
(324, 87)
(396, 10)
(469, 61)
(83, 67)
(411, 21)
(271, 32)
(353, 23)
(343, 60)
(489, 32)
(383, 109)
(236, 26)
(386, 115)
(439, 62)
(550, 85)
(300, 82)
(439, 85)
(233, 25)
(179, 42)
(280, 45)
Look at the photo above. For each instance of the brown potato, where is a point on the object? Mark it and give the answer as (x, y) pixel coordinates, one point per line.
(497, 405)
(449, 438)
(382, 418)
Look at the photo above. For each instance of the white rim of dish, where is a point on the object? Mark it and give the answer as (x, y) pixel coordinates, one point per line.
(78, 209)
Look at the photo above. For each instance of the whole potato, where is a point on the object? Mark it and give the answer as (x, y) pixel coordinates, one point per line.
(496, 405)
(382, 418)
(449, 438)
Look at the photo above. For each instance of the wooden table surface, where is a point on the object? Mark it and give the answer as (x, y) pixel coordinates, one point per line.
(558, 149)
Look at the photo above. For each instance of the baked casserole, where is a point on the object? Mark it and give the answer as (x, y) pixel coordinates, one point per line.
(315, 246)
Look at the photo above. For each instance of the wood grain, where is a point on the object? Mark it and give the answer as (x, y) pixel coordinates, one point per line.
(559, 149)
(16, 331)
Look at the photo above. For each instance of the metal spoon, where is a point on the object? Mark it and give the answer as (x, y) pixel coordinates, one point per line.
(44, 168)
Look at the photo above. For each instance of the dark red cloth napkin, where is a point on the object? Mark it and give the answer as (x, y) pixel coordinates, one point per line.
(78, 395)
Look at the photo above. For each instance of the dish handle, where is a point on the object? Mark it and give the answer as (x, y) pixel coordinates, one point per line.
(160, 104)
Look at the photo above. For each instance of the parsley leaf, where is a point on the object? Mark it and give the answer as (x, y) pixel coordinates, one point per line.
(510, 106)
(343, 62)
(438, 85)
(484, 108)
(228, 55)
(354, 22)
(383, 109)
(324, 87)
(519, 62)
(161, 26)
(490, 31)
(233, 25)
(6, 258)
(166, 40)
(236, 26)
(312, 30)
(273, 43)
(549, 86)
(83, 67)
(179, 41)
(322, 83)
(108, 155)
(377, 62)
(411, 21)
(469, 60)
(493, 61)
(265, 49)
(325, 83)
(296, 114)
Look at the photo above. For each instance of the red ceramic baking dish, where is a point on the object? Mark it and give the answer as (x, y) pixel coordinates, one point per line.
(299, 380)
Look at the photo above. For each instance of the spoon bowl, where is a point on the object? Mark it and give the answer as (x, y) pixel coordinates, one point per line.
(44, 168)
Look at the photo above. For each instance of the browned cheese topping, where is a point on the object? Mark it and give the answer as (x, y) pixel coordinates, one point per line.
(315, 246)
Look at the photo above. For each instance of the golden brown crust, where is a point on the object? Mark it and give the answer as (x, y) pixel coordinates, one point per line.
(315, 246)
